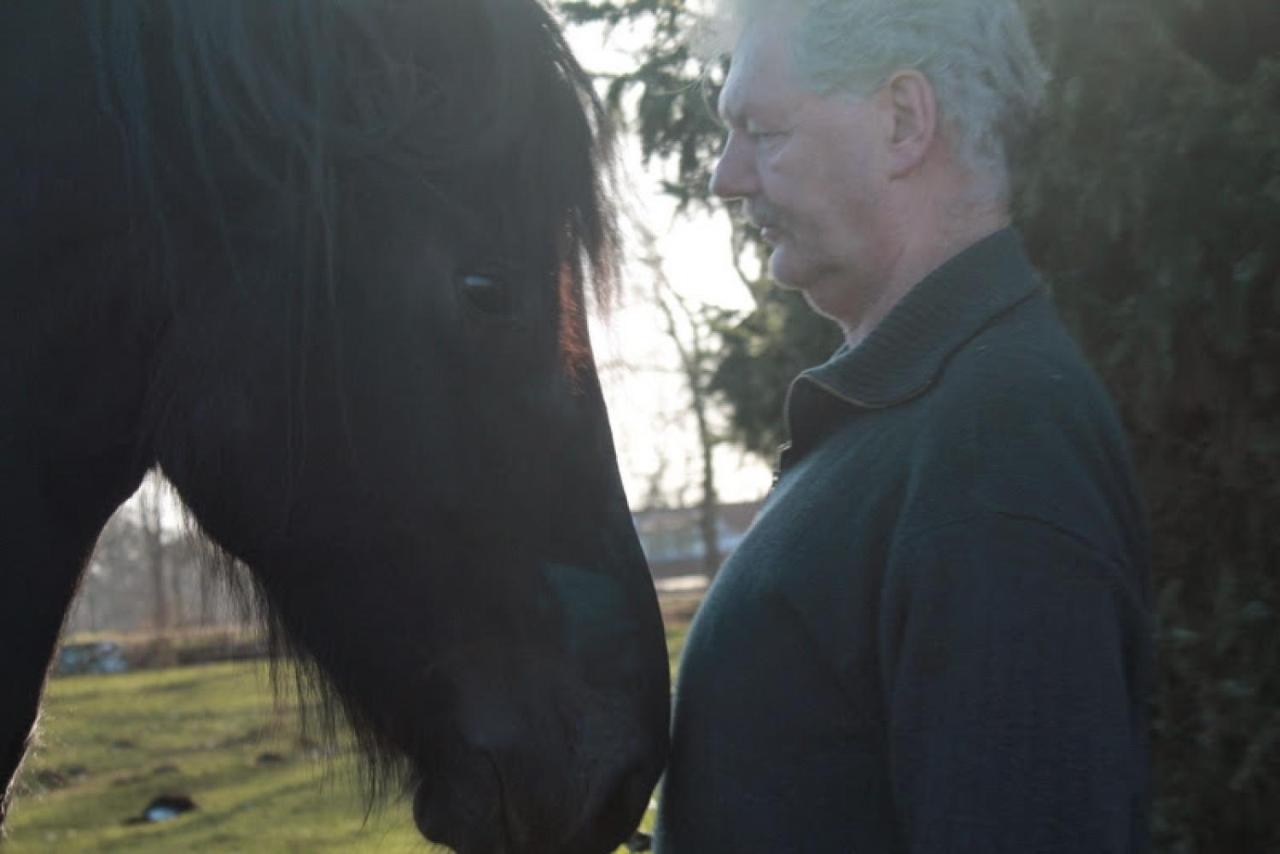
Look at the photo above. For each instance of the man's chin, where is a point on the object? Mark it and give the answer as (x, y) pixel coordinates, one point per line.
(784, 274)
(822, 293)
(792, 274)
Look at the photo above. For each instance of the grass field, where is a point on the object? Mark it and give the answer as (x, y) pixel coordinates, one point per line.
(109, 744)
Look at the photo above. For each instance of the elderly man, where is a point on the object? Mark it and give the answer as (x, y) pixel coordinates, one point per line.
(935, 637)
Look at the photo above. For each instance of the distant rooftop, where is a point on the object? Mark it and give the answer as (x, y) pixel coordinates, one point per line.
(672, 541)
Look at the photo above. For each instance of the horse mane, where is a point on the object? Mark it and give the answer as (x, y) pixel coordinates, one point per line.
(283, 95)
(322, 710)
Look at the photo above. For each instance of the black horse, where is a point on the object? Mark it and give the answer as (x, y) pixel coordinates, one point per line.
(323, 262)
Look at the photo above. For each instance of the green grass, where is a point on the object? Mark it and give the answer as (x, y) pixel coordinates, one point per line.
(109, 744)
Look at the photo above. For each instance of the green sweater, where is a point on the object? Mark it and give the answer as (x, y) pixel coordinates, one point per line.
(935, 637)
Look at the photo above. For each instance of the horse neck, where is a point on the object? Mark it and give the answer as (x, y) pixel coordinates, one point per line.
(73, 342)
(53, 503)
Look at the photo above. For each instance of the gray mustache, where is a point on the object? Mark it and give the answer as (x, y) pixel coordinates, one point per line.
(762, 215)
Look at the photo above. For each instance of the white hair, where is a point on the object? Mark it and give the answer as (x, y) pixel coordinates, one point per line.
(977, 55)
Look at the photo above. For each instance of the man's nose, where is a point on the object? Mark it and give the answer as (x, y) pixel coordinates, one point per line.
(735, 175)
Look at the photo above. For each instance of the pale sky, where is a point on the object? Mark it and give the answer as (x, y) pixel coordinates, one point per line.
(649, 409)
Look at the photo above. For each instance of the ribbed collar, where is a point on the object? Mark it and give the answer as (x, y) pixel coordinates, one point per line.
(903, 356)
(906, 352)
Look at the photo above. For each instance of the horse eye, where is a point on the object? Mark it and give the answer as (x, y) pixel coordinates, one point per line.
(486, 293)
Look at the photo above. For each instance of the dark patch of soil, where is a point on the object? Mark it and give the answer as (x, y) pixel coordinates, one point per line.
(164, 808)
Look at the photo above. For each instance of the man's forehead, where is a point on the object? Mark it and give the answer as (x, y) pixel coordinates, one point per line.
(761, 61)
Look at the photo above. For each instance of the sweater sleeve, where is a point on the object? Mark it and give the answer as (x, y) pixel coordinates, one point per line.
(1013, 660)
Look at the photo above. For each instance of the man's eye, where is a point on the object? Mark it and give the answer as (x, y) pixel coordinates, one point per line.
(765, 135)
(486, 293)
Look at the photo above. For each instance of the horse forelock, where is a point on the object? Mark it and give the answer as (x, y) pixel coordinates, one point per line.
(574, 338)
(295, 91)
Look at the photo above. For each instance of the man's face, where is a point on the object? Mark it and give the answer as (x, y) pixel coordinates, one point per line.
(811, 170)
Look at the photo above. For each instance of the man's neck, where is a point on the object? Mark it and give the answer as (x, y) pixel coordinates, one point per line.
(919, 254)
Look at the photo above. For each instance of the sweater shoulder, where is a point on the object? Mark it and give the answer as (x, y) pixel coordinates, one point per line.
(1027, 363)
(1022, 378)
(1019, 423)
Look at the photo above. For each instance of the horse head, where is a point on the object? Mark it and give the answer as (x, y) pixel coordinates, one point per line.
(362, 234)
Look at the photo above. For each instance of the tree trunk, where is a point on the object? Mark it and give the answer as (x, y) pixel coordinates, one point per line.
(149, 510)
(709, 507)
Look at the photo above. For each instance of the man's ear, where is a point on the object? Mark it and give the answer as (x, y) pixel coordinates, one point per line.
(915, 120)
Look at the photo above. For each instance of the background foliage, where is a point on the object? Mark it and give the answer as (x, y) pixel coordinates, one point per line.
(1150, 199)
